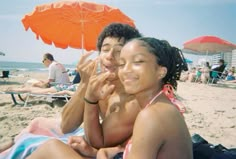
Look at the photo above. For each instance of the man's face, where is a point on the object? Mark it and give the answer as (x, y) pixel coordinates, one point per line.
(46, 62)
(110, 53)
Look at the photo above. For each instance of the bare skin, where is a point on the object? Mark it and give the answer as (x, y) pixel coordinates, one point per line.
(118, 110)
(159, 131)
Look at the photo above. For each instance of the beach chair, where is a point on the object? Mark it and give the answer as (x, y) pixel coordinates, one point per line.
(49, 98)
(18, 99)
(216, 76)
(198, 76)
(13, 97)
(5, 75)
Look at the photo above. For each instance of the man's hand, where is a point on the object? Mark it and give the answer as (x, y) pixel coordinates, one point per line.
(85, 67)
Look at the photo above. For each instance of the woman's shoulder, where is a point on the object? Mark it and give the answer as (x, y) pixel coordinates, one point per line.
(158, 112)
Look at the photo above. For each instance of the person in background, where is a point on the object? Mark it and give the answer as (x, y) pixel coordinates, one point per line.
(205, 72)
(231, 74)
(57, 72)
(220, 69)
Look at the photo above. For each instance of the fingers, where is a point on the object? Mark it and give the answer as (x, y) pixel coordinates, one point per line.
(96, 69)
(75, 139)
(107, 89)
(85, 56)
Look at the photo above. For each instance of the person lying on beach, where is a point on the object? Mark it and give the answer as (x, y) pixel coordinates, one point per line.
(118, 110)
(57, 89)
(57, 72)
(146, 65)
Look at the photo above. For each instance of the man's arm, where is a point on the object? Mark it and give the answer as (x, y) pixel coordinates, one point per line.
(72, 114)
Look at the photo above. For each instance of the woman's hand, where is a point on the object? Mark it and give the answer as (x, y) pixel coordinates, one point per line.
(109, 153)
(80, 145)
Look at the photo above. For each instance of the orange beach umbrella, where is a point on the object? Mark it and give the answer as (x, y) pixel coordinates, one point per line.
(75, 24)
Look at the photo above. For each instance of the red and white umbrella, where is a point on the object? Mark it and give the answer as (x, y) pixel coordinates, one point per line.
(208, 45)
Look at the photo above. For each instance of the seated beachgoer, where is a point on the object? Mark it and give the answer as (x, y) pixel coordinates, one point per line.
(219, 69)
(192, 74)
(230, 75)
(146, 65)
(57, 72)
(205, 73)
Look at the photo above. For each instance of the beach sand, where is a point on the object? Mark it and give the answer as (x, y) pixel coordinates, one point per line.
(211, 111)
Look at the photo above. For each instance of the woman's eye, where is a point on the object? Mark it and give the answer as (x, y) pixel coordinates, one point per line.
(120, 64)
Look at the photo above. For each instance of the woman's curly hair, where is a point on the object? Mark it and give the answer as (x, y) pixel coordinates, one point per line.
(168, 56)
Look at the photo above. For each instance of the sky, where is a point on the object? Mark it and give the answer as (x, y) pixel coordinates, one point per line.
(176, 21)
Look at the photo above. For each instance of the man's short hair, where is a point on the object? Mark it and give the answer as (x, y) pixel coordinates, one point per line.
(117, 30)
(48, 56)
(221, 61)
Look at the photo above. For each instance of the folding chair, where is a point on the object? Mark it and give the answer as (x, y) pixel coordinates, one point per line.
(25, 101)
(13, 94)
(198, 76)
(48, 97)
(5, 75)
(215, 77)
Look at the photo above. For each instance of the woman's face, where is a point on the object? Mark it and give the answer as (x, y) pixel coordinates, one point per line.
(138, 70)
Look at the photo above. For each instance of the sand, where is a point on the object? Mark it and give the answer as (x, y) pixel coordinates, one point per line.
(210, 110)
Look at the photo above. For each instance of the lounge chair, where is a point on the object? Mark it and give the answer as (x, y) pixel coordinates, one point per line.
(5, 75)
(24, 101)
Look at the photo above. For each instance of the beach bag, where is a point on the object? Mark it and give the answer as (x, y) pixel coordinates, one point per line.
(204, 150)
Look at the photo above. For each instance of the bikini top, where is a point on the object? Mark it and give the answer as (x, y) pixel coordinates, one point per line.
(168, 91)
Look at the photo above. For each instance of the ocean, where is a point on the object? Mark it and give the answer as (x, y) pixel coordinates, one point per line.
(27, 66)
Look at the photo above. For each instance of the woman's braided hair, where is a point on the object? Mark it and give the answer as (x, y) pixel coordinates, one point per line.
(170, 57)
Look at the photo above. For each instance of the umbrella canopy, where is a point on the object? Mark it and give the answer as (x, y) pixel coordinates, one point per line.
(208, 44)
(75, 24)
(1, 53)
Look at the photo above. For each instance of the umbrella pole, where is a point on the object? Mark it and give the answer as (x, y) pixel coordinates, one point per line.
(82, 43)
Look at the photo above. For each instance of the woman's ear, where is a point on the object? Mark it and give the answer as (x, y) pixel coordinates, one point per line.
(162, 72)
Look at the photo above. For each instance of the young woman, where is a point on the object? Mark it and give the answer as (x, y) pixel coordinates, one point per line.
(148, 69)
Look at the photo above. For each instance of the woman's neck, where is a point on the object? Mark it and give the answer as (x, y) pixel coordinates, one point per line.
(147, 96)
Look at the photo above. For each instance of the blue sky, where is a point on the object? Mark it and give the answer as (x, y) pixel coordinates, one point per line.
(174, 20)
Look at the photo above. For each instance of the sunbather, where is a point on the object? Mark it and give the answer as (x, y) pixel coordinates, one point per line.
(57, 89)
(145, 66)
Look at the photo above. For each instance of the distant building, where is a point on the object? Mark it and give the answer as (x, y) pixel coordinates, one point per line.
(229, 58)
(233, 61)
